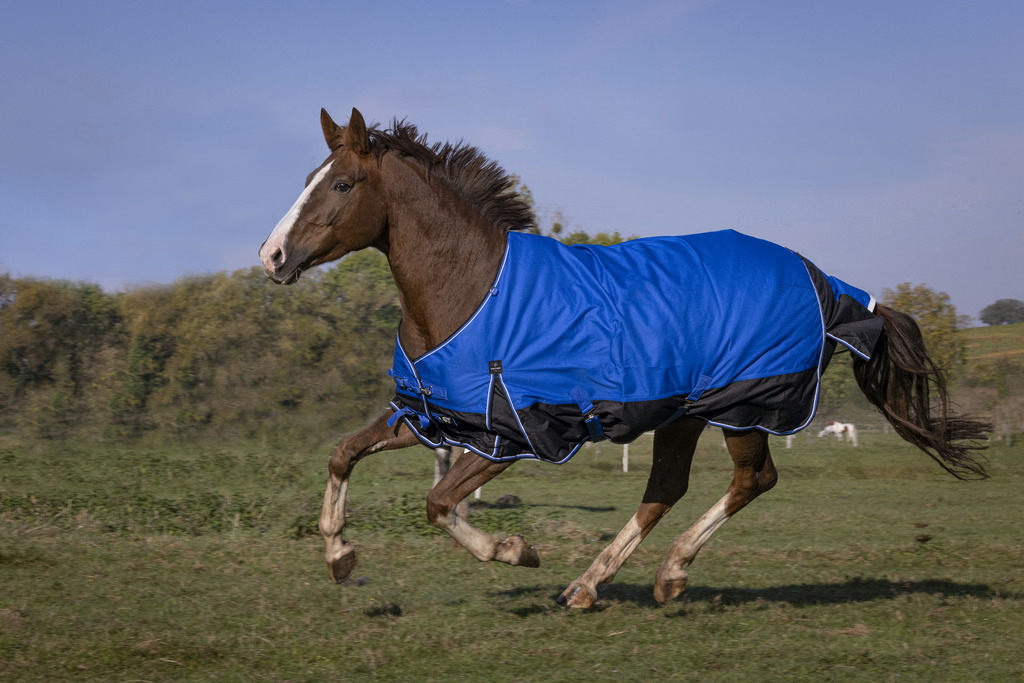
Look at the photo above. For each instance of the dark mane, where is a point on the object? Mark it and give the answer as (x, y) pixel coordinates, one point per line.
(481, 182)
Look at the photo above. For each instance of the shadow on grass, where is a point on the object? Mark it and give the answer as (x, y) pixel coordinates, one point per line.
(386, 610)
(483, 505)
(800, 595)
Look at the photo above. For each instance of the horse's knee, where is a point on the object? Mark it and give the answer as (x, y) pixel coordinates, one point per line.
(345, 456)
(437, 508)
(340, 463)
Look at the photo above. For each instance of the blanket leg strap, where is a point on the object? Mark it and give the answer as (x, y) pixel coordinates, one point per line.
(690, 399)
(702, 384)
(589, 414)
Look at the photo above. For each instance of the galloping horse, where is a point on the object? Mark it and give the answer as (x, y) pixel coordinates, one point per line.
(513, 345)
(843, 431)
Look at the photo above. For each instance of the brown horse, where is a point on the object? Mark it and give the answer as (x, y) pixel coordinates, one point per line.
(442, 214)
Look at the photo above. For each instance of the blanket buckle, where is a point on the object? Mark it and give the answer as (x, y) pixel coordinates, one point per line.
(590, 418)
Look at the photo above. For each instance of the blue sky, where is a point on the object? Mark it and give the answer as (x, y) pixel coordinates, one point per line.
(145, 141)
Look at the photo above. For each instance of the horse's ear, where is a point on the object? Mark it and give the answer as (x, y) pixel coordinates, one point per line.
(333, 133)
(355, 136)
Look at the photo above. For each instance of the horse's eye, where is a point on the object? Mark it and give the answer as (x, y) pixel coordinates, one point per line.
(342, 187)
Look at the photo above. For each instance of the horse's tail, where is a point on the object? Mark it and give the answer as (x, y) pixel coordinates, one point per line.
(900, 380)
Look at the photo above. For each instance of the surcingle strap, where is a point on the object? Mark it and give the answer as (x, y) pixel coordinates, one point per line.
(589, 414)
(413, 385)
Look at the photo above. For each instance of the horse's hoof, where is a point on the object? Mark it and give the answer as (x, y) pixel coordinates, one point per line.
(667, 589)
(529, 557)
(341, 567)
(516, 551)
(577, 597)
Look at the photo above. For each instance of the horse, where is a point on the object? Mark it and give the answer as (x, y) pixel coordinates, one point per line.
(843, 431)
(458, 241)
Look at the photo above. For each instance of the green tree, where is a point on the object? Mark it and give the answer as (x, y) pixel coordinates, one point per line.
(43, 322)
(366, 310)
(603, 239)
(1003, 312)
(235, 350)
(937, 317)
(53, 335)
(151, 321)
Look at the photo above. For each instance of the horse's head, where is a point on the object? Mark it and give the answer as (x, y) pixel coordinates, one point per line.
(340, 210)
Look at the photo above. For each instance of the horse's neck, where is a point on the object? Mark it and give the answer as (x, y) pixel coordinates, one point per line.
(443, 256)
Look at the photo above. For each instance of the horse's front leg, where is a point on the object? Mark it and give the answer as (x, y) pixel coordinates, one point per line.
(468, 473)
(374, 438)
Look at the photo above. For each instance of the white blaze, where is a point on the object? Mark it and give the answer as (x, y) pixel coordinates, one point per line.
(279, 237)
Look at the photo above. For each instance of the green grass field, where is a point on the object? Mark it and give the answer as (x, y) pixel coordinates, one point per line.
(186, 562)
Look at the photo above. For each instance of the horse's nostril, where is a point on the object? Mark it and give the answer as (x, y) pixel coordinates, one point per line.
(277, 256)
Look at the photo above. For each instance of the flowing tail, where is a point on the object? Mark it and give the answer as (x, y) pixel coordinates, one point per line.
(900, 380)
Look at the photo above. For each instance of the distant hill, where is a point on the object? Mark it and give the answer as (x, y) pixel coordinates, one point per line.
(991, 382)
(996, 342)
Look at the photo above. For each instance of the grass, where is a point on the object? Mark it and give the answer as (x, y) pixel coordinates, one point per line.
(186, 562)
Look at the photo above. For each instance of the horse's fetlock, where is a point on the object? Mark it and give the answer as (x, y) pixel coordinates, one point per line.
(328, 527)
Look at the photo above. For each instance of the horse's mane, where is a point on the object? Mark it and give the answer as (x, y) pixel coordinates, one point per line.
(481, 182)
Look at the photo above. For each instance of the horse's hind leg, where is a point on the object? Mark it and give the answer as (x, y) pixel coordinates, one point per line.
(374, 438)
(753, 474)
(674, 446)
(467, 473)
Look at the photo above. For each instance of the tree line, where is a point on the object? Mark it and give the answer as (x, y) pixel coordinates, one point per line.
(230, 350)
(234, 353)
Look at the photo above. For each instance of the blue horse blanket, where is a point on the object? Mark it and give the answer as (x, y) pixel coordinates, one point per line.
(581, 343)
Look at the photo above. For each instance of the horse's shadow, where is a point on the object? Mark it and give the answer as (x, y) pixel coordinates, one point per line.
(484, 505)
(585, 508)
(798, 595)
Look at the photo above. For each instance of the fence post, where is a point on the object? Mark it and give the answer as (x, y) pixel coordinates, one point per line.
(442, 462)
